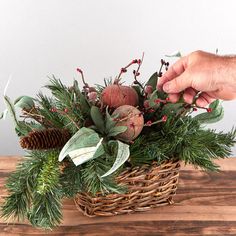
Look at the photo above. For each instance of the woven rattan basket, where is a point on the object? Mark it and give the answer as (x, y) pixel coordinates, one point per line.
(149, 186)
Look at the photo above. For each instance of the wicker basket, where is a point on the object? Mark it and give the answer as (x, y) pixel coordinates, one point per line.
(149, 187)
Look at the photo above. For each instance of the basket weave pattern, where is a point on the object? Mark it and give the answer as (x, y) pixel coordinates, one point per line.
(149, 186)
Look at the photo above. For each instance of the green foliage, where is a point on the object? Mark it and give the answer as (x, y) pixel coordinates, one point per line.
(183, 139)
(70, 180)
(153, 80)
(114, 131)
(97, 118)
(85, 137)
(43, 208)
(72, 100)
(24, 102)
(215, 115)
(49, 175)
(46, 209)
(122, 155)
(94, 183)
(45, 104)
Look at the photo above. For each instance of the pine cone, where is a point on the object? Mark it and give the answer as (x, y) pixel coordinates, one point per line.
(45, 139)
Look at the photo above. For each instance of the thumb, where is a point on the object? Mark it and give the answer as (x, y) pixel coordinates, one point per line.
(178, 84)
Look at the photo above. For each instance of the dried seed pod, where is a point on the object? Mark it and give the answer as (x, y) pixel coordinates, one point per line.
(117, 95)
(132, 118)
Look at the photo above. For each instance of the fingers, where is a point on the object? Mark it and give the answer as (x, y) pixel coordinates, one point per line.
(178, 84)
(174, 97)
(189, 95)
(175, 70)
(204, 99)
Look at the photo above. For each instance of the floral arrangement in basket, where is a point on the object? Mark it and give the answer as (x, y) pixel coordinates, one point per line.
(114, 148)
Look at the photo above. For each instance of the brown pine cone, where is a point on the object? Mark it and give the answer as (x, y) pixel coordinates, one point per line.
(45, 139)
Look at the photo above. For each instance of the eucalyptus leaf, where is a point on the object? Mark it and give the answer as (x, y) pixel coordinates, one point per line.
(24, 102)
(97, 118)
(82, 155)
(117, 130)
(175, 54)
(172, 108)
(11, 109)
(123, 154)
(3, 114)
(110, 121)
(215, 115)
(85, 137)
(153, 80)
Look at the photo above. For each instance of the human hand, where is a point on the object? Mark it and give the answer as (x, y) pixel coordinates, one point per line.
(211, 75)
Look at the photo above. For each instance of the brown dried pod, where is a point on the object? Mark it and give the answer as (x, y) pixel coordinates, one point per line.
(132, 118)
(117, 95)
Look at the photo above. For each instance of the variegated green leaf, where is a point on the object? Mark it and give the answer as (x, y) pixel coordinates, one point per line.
(85, 137)
(82, 155)
(123, 154)
(24, 102)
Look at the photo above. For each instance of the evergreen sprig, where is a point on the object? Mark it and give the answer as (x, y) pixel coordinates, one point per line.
(92, 181)
(70, 180)
(186, 140)
(70, 104)
(34, 191)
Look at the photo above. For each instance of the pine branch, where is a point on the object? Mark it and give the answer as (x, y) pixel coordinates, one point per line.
(46, 210)
(47, 117)
(70, 180)
(71, 100)
(20, 185)
(184, 139)
(92, 181)
(35, 191)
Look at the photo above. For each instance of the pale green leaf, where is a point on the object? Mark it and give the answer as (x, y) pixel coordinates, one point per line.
(211, 117)
(117, 130)
(175, 54)
(11, 109)
(3, 114)
(153, 80)
(110, 121)
(123, 154)
(85, 137)
(24, 102)
(97, 118)
(82, 155)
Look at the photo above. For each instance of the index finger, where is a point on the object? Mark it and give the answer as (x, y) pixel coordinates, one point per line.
(175, 70)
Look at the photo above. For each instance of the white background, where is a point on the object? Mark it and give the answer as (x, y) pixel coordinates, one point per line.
(38, 38)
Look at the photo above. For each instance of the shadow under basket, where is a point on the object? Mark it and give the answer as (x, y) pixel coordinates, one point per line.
(149, 186)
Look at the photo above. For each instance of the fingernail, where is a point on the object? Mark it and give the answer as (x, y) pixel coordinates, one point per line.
(166, 87)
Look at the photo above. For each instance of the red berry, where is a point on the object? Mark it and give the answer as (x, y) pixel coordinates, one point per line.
(167, 99)
(149, 123)
(53, 109)
(66, 110)
(146, 104)
(151, 110)
(157, 100)
(79, 70)
(209, 109)
(164, 118)
(135, 61)
(139, 61)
